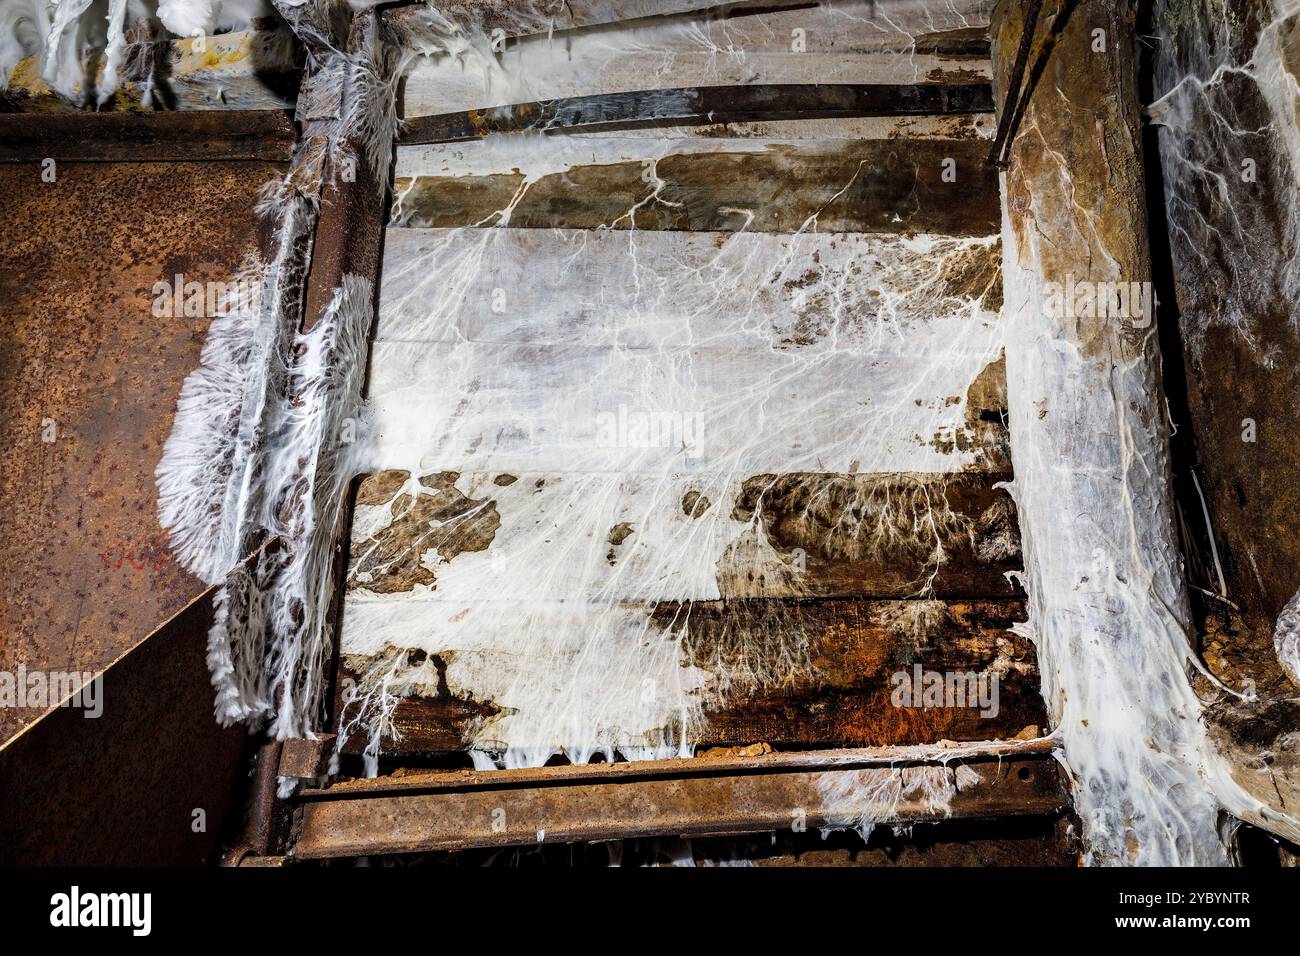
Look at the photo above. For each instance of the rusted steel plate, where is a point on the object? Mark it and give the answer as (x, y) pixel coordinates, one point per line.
(838, 662)
(146, 137)
(875, 186)
(697, 805)
(149, 782)
(90, 377)
(711, 104)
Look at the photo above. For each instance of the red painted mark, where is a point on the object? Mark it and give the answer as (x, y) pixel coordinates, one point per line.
(150, 553)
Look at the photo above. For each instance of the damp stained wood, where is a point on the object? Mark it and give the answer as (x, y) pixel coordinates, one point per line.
(907, 187)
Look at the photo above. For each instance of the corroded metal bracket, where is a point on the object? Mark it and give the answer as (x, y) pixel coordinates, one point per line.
(457, 810)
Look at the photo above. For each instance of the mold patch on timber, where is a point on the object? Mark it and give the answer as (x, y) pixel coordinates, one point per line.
(428, 715)
(814, 533)
(783, 673)
(950, 276)
(434, 518)
(984, 433)
(694, 504)
(799, 671)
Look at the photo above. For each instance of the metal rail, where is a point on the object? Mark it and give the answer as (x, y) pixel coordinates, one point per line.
(457, 810)
(701, 105)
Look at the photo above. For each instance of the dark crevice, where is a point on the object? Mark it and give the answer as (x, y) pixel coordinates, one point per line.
(1184, 457)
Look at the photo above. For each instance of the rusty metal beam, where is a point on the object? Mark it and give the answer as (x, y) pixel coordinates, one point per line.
(831, 759)
(147, 137)
(463, 809)
(305, 759)
(709, 104)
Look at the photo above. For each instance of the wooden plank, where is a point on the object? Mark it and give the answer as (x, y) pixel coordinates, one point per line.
(884, 42)
(893, 187)
(674, 806)
(243, 70)
(746, 292)
(789, 673)
(146, 137)
(840, 693)
(532, 350)
(701, 105)
(703, 537)
(505, 567)
(531, 17)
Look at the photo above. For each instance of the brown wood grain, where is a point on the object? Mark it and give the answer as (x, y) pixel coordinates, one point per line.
(839, 693)
(876, 186)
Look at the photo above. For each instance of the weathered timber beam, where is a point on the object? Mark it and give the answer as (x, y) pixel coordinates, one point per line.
(803, 520)
(837, 692)
(535, 17)
(146, 137)
(532, 17)
(707, 803)
(709, 104)
(875, 186)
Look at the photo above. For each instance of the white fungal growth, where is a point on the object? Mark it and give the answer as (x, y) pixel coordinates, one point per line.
(809, 353)
(623, 374)
(272, 656)
(68, 36)
(862, 799)
(1286, 638)
(264, 440)
(200, 457)
(1230, 152)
